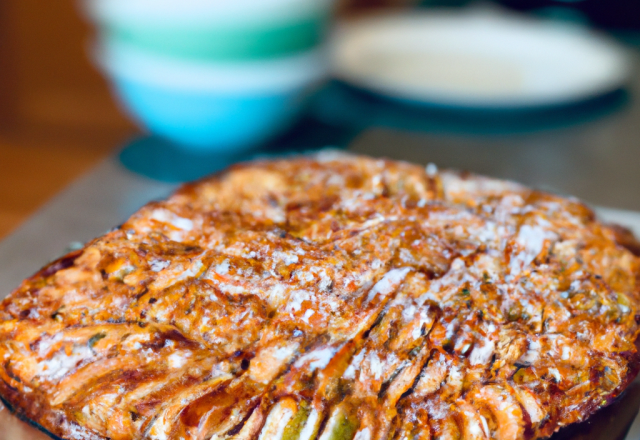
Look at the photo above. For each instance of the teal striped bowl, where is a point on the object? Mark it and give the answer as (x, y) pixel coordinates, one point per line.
(217, 31)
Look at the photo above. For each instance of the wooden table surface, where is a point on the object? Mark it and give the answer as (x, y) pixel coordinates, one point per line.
(36, 168)
(57, 117)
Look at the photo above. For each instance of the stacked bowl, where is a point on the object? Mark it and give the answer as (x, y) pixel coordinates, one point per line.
(212, 74)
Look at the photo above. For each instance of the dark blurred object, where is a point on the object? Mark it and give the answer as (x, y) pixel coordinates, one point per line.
(346, 106)
(350, 7)
(617, 15)
(354, 5)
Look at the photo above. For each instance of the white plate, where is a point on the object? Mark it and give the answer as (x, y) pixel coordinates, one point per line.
(477, 59)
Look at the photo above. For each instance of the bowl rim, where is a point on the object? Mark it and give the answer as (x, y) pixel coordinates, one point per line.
(123, 61)
(172, 13)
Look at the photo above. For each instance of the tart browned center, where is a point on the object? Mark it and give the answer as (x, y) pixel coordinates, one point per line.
(330, 297)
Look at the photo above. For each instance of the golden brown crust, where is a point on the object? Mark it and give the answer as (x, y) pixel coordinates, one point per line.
(330, 295)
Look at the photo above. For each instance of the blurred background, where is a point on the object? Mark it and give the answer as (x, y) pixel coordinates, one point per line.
(541, 91)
